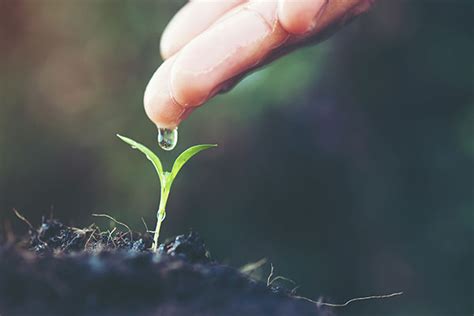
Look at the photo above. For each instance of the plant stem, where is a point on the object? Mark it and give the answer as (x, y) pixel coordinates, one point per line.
(159, 219)
(160, 216)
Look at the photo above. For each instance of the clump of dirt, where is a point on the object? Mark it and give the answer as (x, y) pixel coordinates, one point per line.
(53, 236)
(188, 247)
(62, 270)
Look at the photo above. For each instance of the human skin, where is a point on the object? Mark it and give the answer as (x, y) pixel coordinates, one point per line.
(210, 45)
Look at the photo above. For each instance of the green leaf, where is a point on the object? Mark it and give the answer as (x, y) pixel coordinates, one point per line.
(185, 156)
(148, 153)
(166, 178)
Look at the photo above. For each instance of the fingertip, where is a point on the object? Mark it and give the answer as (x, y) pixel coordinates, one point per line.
(298, 17)
(159, 104)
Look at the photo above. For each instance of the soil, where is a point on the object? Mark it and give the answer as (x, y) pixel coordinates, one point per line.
(61, 270)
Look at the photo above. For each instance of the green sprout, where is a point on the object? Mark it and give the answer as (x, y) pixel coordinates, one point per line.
(166, 178)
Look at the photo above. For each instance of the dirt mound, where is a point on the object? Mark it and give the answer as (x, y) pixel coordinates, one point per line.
(60, 270)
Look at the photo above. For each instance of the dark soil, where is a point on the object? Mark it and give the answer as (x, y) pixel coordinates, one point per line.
(60, 270)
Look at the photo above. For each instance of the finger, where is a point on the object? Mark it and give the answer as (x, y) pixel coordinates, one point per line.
(236, 43)
(194, 18)
(313, 16)
(160, 105)
(298, 16)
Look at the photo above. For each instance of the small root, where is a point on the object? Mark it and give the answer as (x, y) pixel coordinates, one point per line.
(144, 224)
(272, 269)
(147, 230)
(89, 239)
(23, 218)
(271, 279)
(293, 290)
(117, 222)
(110, 237)
(320, 303)
(283, 279)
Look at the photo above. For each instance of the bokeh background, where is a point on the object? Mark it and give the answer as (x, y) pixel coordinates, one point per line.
(349, 165)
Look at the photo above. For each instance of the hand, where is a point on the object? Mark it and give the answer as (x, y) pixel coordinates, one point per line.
(210, 45)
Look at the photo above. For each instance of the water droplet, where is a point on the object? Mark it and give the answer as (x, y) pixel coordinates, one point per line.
(167, 138)
(162, 218)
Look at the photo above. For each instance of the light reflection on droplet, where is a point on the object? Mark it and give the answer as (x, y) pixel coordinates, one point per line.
(167, 138)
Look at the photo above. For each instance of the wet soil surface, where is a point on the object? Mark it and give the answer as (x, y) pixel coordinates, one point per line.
(60, 270)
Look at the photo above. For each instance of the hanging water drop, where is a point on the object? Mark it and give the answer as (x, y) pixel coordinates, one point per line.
(167, 138)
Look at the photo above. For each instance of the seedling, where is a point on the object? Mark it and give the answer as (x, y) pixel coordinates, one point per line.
(166, 178)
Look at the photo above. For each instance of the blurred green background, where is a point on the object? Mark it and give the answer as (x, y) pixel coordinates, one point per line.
(349, 165)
